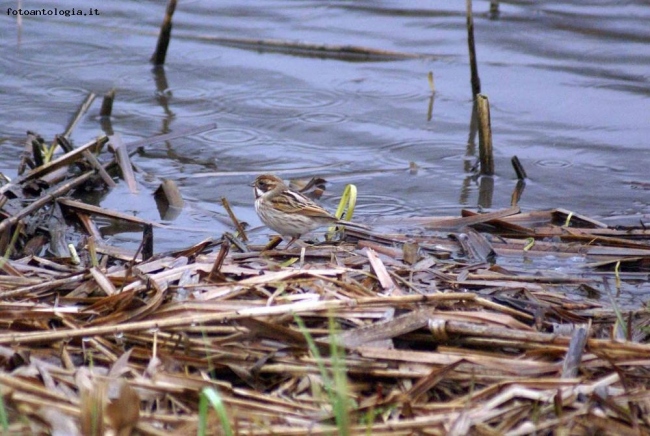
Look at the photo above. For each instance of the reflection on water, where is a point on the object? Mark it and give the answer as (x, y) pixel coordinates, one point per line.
(568, 84)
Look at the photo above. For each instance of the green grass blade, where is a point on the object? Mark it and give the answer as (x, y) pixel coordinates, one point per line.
(348, 203)
(4, 418)
(210, 396)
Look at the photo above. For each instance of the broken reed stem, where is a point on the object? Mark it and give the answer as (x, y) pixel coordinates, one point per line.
(85, 105)
(164, 37)
(576, 349)
(519, 168)
(92, 160)
(494, 8)
(476, 81)
(432, 87)
(12, 244)
(484, 135)
(239, 244)
(92, 251)
(37, 153)
(168, 192)
(89, 209)
(64, 143)
(26, 163)
(123, 161)
(521, 182)
(147, 242)
(107, 104)
(215, 273)
(233, 218)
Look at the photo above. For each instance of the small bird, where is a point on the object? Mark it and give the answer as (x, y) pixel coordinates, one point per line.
(289, 212)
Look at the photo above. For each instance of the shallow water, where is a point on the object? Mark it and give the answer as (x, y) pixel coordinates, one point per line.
(568, 82)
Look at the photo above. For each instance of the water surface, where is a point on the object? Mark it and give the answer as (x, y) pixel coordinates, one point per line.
(568, 83)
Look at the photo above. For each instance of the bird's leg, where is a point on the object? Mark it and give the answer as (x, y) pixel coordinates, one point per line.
(294, 239)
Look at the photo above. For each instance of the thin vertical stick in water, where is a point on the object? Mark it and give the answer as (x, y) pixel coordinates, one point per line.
(519, 168)
(37, 153)
(494, 9)
(107, 104)
(484, 135)
(147, 242)
(476, 82)
(432, 86)
(159, 55)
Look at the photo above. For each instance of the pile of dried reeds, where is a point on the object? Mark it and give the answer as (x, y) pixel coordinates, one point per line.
(381, 334)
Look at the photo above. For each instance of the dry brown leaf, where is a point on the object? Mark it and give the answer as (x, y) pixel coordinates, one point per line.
(123, 411)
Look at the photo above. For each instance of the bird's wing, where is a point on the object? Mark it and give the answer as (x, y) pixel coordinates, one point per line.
(293, 202)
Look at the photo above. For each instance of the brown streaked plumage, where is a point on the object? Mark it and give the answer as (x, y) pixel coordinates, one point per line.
(286, 211)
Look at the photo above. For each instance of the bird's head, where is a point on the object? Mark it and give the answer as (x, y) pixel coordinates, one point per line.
(267, 183)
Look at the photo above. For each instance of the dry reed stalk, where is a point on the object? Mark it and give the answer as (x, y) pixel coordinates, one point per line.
(321, 50)
(486, 154)
(476, 81)
(233, 218)
(123, 161)
(107, 104)
(164, 37)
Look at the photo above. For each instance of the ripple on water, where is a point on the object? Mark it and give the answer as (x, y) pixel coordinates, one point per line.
(188, 92)
(43, 76)
(384, 205)
(45, 54)
(231, 136)
(409, 144)
(280, 103)
(553, 163)
(420, 151)
(323, 118)
(260, 153)
(181, 102)
(385, 86)
(186, 60)
(300, 98)
(67, 93)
